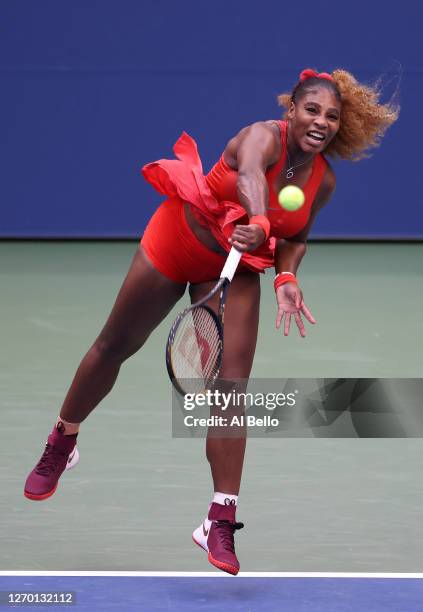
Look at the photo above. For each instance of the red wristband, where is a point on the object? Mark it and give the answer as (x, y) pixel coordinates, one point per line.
(263, 222)
(282, 279)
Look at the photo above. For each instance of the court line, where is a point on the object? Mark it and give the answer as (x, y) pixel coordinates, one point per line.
(371, 575)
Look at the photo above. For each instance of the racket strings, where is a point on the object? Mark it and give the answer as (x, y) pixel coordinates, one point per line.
(196, 347)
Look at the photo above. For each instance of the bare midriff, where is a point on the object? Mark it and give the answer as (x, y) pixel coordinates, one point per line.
(203, 234)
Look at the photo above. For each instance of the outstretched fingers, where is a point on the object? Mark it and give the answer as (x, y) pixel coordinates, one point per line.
(287, 324)
(297, 317)
(279, 317)
(306, 312)
(300, 324)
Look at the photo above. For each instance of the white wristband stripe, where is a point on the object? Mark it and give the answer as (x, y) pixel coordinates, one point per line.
(279, 273)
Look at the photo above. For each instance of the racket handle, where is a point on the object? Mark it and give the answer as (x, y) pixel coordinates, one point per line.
(231, 264)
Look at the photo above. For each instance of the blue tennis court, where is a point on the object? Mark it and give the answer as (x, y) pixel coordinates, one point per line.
(251, 592)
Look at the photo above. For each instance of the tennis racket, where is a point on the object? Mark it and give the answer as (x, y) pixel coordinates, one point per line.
(194, 348)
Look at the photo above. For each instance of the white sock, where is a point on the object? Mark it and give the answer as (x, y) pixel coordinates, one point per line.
(68, 429)
(225, 499)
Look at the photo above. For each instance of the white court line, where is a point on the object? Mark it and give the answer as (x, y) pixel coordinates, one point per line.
(385, 575)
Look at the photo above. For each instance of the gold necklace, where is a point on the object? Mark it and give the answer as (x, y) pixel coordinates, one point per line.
(290, 170)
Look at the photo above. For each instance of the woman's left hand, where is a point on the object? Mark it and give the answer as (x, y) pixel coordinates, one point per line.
(247, 237)
(290, 302)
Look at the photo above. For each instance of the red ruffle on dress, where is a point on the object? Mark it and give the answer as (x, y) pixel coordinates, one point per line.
(183, 178)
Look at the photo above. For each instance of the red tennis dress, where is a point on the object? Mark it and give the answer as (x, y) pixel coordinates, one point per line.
(169, 242)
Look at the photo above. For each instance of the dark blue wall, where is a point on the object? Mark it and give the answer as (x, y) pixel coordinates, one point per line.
(93, 89)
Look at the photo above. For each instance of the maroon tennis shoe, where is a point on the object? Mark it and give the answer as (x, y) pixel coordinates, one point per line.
(216, 537)
(60, 454)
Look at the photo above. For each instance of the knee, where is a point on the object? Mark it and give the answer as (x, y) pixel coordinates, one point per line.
(230, 385)
(238, 362)
(116, 349)
(230, 393)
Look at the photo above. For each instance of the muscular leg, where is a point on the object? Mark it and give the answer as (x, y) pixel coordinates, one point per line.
(226, 454)
(144, 299)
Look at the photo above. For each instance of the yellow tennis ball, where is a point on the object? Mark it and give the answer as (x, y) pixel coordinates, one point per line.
(291, 198)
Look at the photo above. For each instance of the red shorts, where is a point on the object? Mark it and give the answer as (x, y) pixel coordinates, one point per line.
(175, 251)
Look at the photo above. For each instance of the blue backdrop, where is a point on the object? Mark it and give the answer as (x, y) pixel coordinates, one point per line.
(93, 89)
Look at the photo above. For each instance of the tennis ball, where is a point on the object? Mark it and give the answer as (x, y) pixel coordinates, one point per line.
(291, 198)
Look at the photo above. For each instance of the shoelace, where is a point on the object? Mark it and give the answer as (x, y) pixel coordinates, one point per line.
(48, 462)
(226, 533)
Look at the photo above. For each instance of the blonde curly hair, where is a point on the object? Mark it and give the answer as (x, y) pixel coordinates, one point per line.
(364, 120)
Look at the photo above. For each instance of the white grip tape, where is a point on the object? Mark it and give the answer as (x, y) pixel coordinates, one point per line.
(231, 264)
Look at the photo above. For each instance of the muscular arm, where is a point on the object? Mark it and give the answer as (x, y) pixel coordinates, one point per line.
(288, 256)
(289, 252)
(253, 150)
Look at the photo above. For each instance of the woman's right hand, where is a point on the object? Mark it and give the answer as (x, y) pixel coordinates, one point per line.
(247, 237)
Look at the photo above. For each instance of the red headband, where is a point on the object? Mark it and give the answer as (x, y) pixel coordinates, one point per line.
(309, 73)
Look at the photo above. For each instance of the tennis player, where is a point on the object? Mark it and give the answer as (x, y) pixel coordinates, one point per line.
(186, 242)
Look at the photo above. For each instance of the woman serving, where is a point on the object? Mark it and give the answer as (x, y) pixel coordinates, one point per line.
(186, 242)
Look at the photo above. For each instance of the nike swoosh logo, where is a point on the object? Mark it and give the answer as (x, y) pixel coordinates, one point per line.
(71, 456)
(205, 531)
